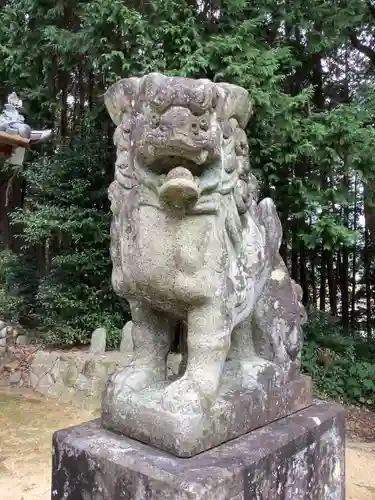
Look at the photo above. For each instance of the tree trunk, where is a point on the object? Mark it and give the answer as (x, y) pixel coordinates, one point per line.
(367, 283)
(344, 275)
(313, 283)
(12, 194)
(331, 283)
(354, 263)
(303, 276)
(323, 278)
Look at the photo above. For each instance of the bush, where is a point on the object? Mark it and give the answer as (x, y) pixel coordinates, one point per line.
(18, 285)
(337, 361)
(67, 218)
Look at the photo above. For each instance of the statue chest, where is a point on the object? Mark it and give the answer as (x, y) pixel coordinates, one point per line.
(176, 260)
(183, 244)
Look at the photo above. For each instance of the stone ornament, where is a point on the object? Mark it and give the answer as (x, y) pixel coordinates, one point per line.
(190, 242)
(15, 134)
(12, 122)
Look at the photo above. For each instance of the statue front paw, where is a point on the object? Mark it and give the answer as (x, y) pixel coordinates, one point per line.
(135, 377)
(185, 396)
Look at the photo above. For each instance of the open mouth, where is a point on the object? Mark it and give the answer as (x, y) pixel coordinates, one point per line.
(163, 164)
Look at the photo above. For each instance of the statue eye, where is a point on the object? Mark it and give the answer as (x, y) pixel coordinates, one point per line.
(161, 101)
(157, 100)
(155, 120)
(203, 124)
(194, 128)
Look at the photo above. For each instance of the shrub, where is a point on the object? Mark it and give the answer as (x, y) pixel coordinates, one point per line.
(18, 285)
(337, 361)
(66, 216)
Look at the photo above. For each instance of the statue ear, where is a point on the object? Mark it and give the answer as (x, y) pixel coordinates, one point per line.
(120, 98)
(234, 102)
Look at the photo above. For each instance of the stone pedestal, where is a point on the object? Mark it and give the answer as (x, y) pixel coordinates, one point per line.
(300, 457)
(235, 412)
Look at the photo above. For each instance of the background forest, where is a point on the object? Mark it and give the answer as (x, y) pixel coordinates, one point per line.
(310, 69)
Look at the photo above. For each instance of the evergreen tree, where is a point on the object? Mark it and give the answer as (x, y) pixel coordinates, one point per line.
(309, 68)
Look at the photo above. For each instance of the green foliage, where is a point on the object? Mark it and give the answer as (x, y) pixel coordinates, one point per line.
(338, 363)
(311, 146)
(67, 216)
(17, 285)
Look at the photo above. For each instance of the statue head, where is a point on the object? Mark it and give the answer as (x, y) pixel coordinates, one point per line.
(187, 133)
(14, 101)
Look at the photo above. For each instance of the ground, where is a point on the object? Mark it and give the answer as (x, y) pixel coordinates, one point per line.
(27, 422)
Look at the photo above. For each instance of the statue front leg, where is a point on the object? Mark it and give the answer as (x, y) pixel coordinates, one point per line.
(208, 341)
(151, 338)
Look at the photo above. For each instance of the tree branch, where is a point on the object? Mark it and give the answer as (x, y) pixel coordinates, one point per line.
(371, 7)
(364, 49)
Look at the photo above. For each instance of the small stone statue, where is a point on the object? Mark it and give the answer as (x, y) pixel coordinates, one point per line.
(13, 123)
(15, 134)
(190, 242)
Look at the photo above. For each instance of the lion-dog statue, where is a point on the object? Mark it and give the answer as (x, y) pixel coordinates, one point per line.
(190, 242)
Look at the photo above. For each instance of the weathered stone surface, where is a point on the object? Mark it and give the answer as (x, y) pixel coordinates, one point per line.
(300, 457)
(233, 414)
(190, 244)
(98, 341)
(45, 383)
(54, 390)
(2, 351)
(126, 345)
(174, 361)
(76, 376)
(3, 342)
(68, 395)
(55, 371)
(15, 378)
(22, 340)
(71, 374)
(44, 362)
(83, 384)
(3, 330)
(33, 380)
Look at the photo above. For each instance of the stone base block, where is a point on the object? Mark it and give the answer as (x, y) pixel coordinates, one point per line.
(300, 457)
(236, 412)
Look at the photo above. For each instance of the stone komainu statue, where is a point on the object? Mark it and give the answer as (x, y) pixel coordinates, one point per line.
(190, 242)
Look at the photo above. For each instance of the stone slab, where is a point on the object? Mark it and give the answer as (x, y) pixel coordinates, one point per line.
(300, 457)
(98, 341)
(3, 330)
(236, 412)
